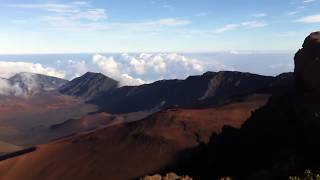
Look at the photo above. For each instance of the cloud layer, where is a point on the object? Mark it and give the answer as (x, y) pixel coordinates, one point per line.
(9, 69)
(130, 69)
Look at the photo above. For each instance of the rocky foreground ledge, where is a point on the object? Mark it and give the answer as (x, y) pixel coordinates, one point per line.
(170, 176)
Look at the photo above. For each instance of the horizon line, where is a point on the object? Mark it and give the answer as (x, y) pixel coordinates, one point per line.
(152, 52)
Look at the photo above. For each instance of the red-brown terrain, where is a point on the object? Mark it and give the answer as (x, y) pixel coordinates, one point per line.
(129, 150)
(22, 120)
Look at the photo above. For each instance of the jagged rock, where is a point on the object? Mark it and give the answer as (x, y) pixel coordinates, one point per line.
(307, 64)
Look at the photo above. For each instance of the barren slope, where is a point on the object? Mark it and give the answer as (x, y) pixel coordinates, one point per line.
(131, 150)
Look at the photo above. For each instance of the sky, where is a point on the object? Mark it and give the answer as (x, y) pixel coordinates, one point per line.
(100, 26)
(142, 41)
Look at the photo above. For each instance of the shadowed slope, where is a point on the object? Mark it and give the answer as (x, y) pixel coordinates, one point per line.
(162, 94)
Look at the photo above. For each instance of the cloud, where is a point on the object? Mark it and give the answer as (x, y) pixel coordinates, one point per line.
(9, 69)
(245, 25)
(308, 1)
(202, 14)
(77, 68)
(253, 24)
(298, 10)
(169, 22)
(129, 69)
(291, 13)
(260, 15)
(51, 7)
(6, 88)
(162, 63)
(135, 69)
(310, 19)
(227, 27)
(113, 69)
(90, 14)
(67, 13)
(83, 16)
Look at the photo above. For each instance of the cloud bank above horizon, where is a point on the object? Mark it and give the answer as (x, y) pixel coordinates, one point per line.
(128, 69)
(140, 68)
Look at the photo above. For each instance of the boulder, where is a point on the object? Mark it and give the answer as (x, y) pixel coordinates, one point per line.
(307, 64)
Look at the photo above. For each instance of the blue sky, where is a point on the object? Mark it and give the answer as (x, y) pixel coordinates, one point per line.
(53, 26)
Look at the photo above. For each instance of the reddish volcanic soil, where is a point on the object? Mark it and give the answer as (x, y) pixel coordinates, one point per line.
(22, 120)
(130, 150)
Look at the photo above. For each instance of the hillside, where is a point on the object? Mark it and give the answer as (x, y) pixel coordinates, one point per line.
(113, 152)
(216, 86)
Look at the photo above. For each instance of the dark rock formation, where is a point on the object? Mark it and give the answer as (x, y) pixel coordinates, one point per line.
(307, 64)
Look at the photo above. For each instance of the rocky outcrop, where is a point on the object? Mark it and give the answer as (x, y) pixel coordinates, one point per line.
(307, 64)
(170, 176)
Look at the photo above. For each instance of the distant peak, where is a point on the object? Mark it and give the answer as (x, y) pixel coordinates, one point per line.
(31, 74)
(93, 73)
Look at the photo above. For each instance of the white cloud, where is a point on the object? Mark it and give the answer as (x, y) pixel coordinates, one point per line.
(260, 15)
(9, 69)
(8, 89)
(112, 69)
(83, 16)
(107, 64)
(245, 24)
(131, 69)
(291, 13)
(202, 14)
(227, 27)
(51, 7)
(162, 63)
(170, 22)
(253, 24)
(77, 68)
(308, 1)
(310, 19)
(91, 14)
(71, 13)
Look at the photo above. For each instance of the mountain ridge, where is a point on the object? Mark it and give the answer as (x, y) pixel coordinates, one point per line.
(217, 86)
